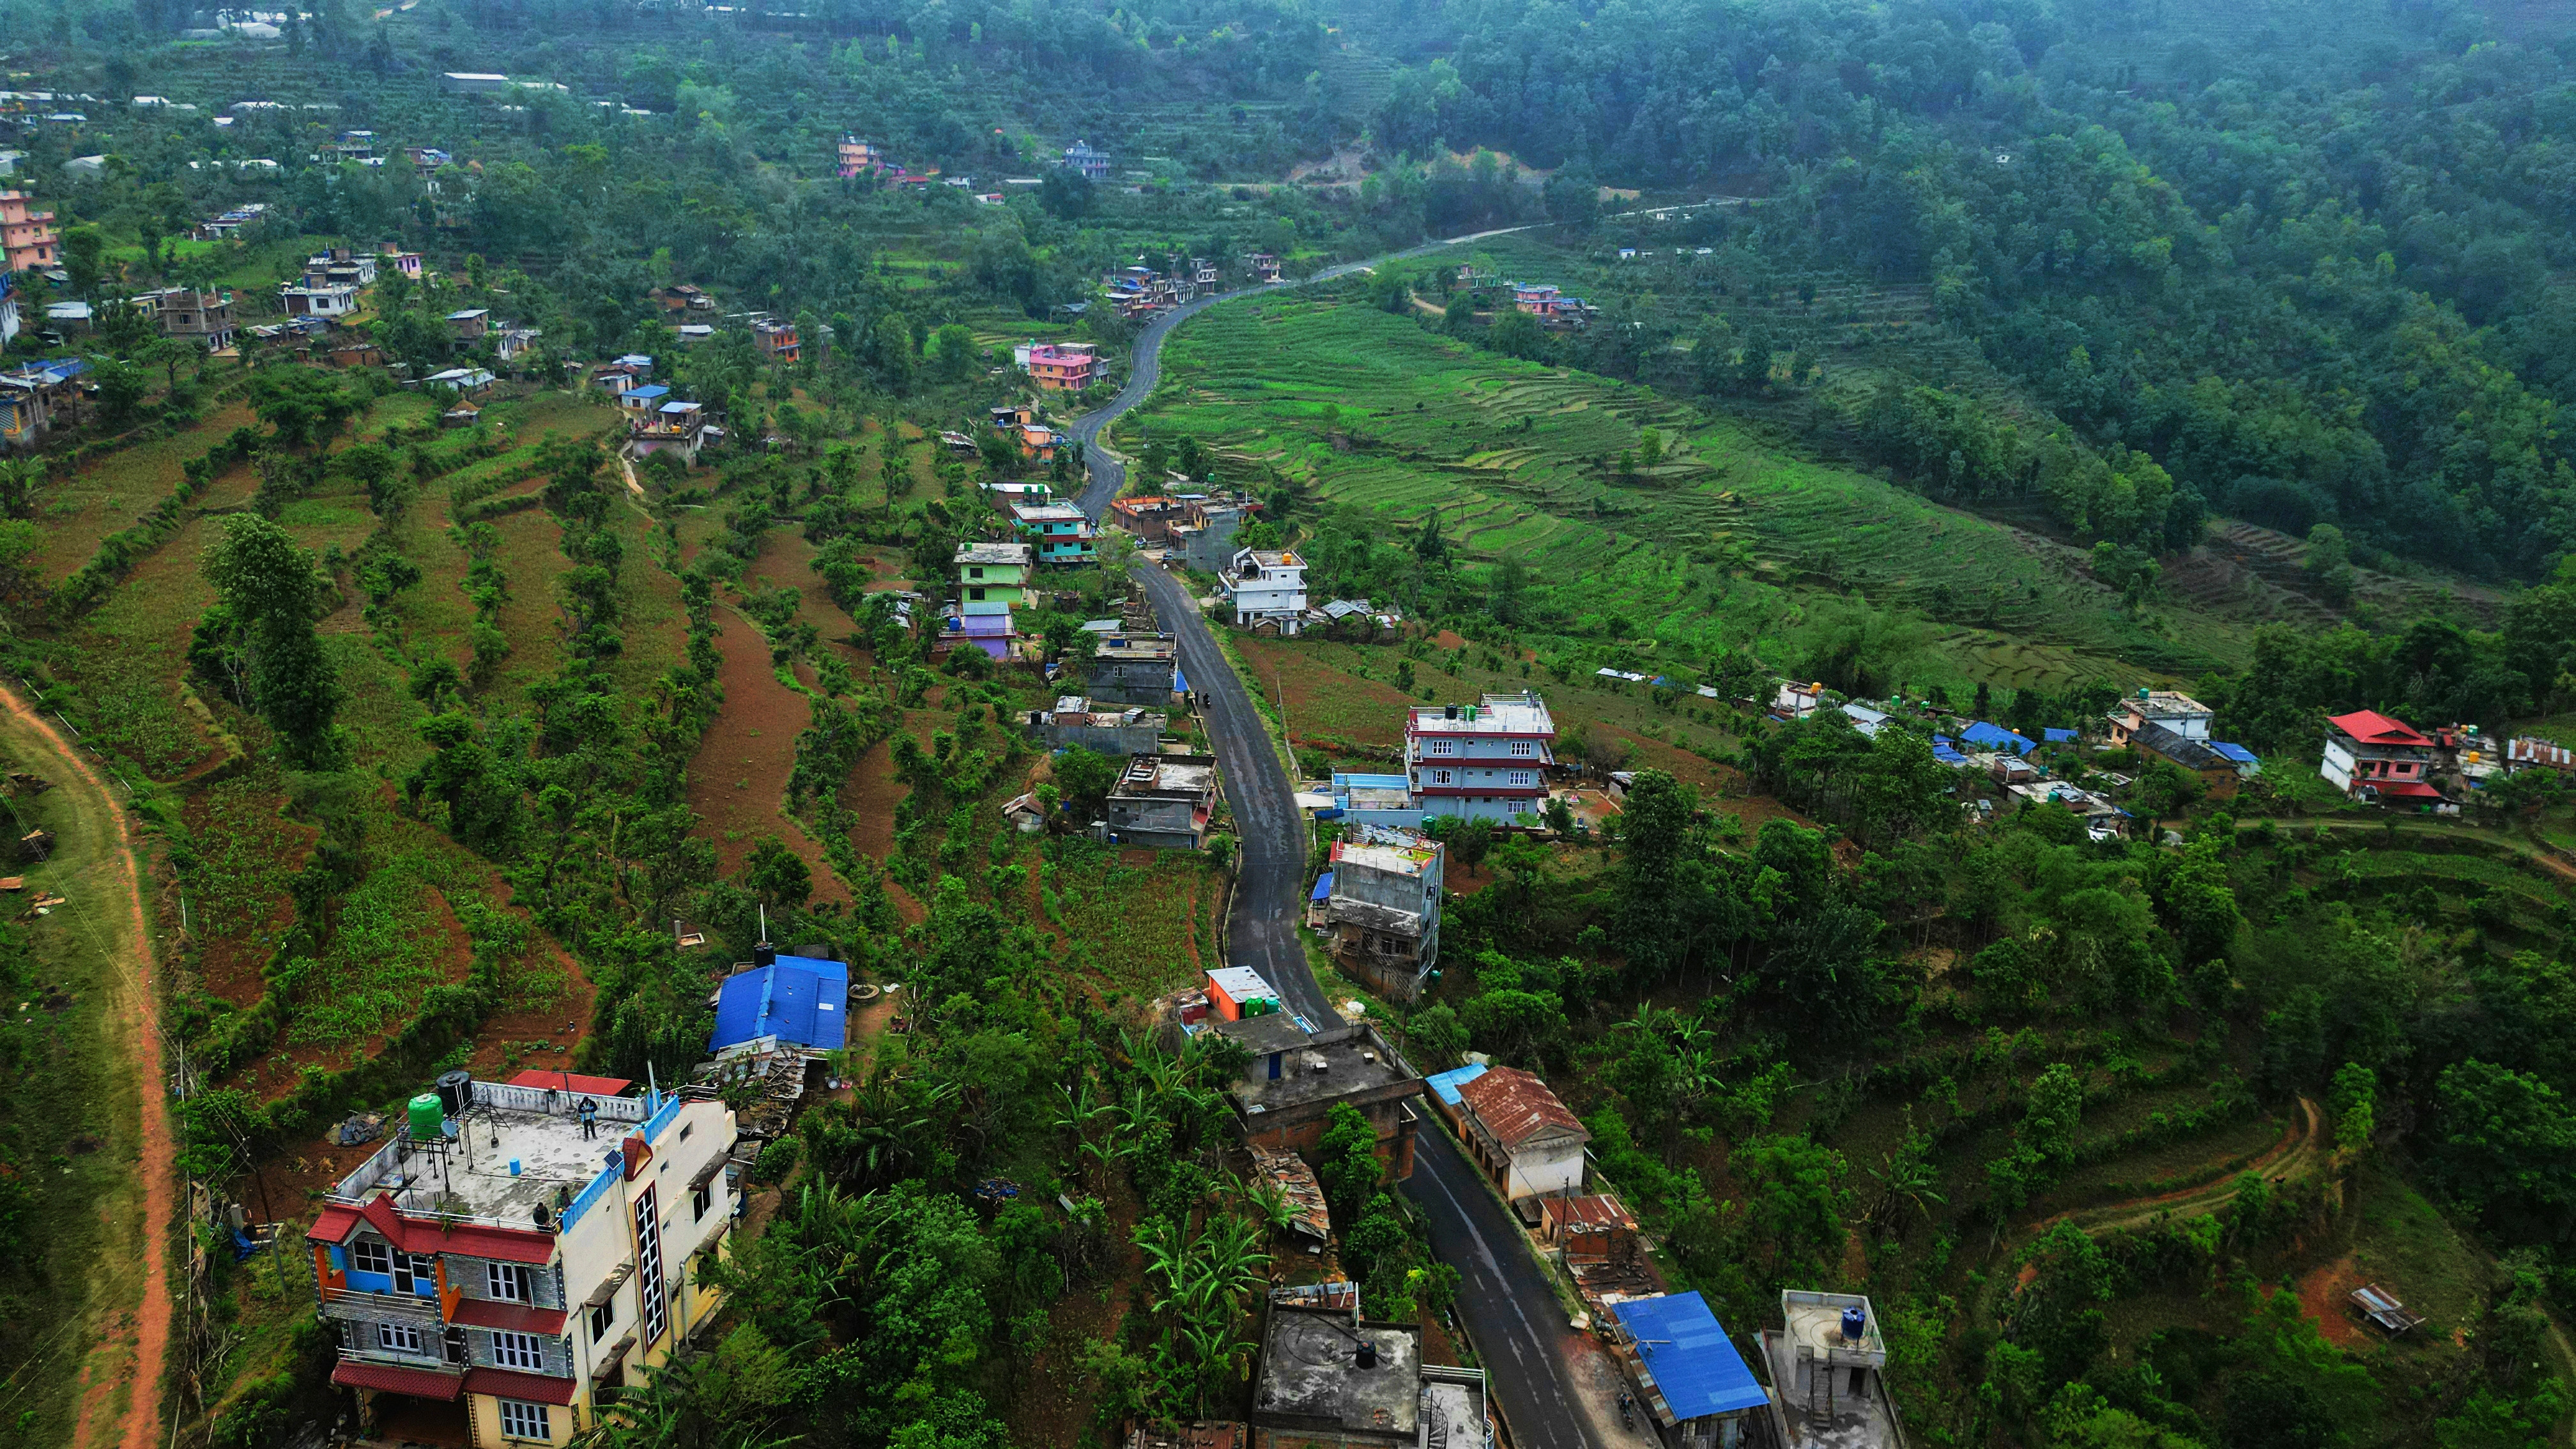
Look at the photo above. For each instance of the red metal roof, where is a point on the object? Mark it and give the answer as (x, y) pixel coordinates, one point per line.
(509, 1245)
(2409, 789)
(528, 1388)
(2373, 728)
(1517, 1108)
(546, 1081)
(419, 1383)
(514, 1317)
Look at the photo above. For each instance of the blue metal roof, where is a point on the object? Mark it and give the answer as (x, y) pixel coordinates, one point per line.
(1688, 1355)
(1323, 887)
(1180, 682)
(2059, 737)
(1445, 1086)
(796, 1004)
(830, 970)
(648, 392)
(1996, 737)
(2238, 753)
(1948, 756)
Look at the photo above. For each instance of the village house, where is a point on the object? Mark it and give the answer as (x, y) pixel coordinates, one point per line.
(36, 397)
(1060, 532)
(1165, 801)
(223, 226)
(184, 313)
(1526, 1140)
(1484, 761)
(992, 578)
(777, 342)
(640, 399)
(1074, 724)
(1265, 587)
(515, 1255)
(340, 267)
(1383, 910)
(1061, 366)
(2368, 754)
(1329, 1379)
(854, 156)
(391, 255)
(2528, 752)
(318, 301)
(469, 324)
(1296, 1078)
(1135, 669)
(789, 1003)
(1827, 1363)
(681, 427)
(2165, 725)
(1263, 266)
(28, 236)
(1093, 164)
(1148, 520)
(1205, 531)
(1005, 494)
(1687, 1376)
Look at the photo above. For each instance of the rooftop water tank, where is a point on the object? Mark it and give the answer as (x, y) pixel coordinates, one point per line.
(1855, 1323)
(427, 1120)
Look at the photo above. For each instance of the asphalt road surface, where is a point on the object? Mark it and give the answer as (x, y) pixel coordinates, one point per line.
(1510, 1312)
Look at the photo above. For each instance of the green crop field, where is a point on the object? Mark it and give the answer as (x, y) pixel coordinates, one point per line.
(1726, 540)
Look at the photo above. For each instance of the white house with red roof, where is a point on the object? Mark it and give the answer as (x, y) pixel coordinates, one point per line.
(514, 1250)
(1526, 1140)
(1483, 761)
(2369, 753)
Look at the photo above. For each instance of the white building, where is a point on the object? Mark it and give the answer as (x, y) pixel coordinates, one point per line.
(492, 1269)
(1485, 761)
(1521, 1135)
(1265, 587)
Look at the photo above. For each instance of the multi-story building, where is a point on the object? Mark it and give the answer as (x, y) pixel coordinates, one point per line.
(1165, 801)
(1205, 531)
(1135, 669)
(1384, 909)
(992, 578)
(1094, 165)
(1263, 265)
(1060, 532)
(1149, 520)
(514, 1254)
(340, 267)
(1074, 724)
(1063, 366)
(318, 301)
(1827, 1363)
(2369, 753)
(681, 427)
(1265, 586)
(1485, 761)
(777, 342)
(205, 318)
(2174, 727)
(28, 235)
(468, 324)
(856, 156)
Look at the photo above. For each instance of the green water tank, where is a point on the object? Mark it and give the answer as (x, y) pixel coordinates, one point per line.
(427, 1118)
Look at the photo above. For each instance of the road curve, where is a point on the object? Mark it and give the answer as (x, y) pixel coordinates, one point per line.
(1510, 1312)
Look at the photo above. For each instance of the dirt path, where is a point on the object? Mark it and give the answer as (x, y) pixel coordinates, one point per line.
(2296, 1152)
(142, 1330)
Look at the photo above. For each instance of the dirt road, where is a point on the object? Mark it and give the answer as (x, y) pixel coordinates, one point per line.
(135, 1343)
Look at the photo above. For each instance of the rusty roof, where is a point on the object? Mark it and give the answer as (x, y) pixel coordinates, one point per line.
(1517, 1108)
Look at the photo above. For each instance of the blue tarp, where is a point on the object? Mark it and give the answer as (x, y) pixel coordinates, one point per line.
(2237, 753)
(1948, 756)
(2059, 737)
(1996, 737)
(1445, 1086)
(1689, 1356)
(1323, 887)
(1180, 682)
(798, 1004)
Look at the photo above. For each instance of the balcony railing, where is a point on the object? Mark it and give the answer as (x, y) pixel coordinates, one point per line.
(388, 1306)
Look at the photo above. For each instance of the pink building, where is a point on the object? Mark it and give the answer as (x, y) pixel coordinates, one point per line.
(29, 234)
(857, 156)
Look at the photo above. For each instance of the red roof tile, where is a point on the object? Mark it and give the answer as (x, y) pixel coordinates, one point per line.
(509, 1245)
(2373, 728)
(546, 1081)
(528, 1388)
(1517, 1108)
(419, 1383)
(515, 1317)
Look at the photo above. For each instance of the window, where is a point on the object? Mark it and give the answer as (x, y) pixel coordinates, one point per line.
(397, 1338)
(519, 1351)
(369, 1256)
(1524, 777)
(1444, 747)
(975, 572)
(602, 1319)
(1440, 777)
(506, 1281)
(700, 1200)
(414, 1272)
(526, 1421)
(1524, 748)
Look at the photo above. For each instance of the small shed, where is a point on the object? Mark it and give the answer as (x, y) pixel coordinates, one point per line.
(2381, 1307)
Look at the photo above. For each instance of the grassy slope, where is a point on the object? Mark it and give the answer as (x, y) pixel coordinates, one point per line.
(1374, 411)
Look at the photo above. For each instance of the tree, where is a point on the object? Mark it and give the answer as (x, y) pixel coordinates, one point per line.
(776, 876)
(1573, 200)
(953, 349)
(376, 467)
(1085, 776)
(1387, 291)
(1347, 1161)
(121, 387)
(259, 643)
(304, 406)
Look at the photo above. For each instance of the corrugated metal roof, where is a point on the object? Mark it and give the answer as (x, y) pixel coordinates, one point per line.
(1445, 1085)
(1687, 1354)
(1996, 737)
(793, 1003)
(1518, 1108)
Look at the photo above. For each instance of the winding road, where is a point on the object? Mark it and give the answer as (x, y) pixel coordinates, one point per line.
(1511, 1313)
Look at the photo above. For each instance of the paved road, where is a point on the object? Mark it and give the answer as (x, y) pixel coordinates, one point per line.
(1509, 1311)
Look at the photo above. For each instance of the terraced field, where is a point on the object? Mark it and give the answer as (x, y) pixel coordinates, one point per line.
(1725, 540)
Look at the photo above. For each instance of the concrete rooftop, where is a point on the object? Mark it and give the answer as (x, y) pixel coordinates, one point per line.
(1347, 1067)
(476, 1177)
(1309, 1369)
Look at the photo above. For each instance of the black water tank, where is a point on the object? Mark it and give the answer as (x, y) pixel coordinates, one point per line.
(764, 955)
(1367, 1356)
(455, 1092)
